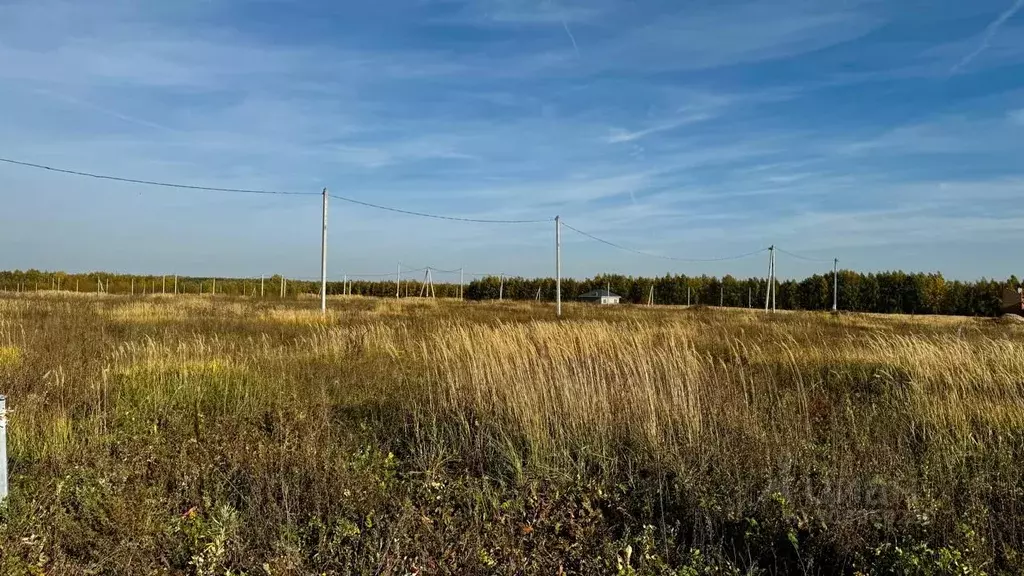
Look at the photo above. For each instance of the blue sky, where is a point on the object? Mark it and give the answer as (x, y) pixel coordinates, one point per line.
(889, 134)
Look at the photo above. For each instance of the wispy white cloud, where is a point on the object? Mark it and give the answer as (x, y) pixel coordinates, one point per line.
(990, 33)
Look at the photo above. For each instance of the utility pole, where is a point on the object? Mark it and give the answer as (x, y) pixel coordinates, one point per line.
(282, 287)
(214, 293)
(133, 286)
(163, 285)
(462, 282)
(771, 280)
(398, 283)
(775, 287)
(558, 266)
(501, 288)
(650, 297)
(262, 278)
(323, 261)
(687, 294)
(721, 295)
(750, 296)
(175, 283)
(835, 285)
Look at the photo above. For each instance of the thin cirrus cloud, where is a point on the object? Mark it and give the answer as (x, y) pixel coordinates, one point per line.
(686, 129)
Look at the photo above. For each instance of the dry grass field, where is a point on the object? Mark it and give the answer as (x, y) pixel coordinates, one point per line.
(193, 435)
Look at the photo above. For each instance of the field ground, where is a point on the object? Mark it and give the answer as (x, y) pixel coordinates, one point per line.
(212, 436)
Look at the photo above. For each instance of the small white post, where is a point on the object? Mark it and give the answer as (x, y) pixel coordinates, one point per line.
(3, 448)
(558, 266)
(323, 261)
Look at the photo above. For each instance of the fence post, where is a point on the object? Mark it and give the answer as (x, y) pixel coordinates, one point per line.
(3, 448)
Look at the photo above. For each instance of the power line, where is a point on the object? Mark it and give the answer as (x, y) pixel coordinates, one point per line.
(438, 216)
(153, 182)
(799, 257)
(258, 191)
(652, 255)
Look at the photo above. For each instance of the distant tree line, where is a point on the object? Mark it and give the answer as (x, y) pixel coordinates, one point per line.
(883, 292)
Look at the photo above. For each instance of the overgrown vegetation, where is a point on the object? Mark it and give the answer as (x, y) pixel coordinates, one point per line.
(883, 292)
(224, 435)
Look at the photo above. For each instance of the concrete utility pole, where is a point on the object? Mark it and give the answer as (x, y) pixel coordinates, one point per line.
(175, 283)
(835, 285)
(721, 295)
(398, 283)
(558, 266)
(323, 261)
(775, 287)
(501, 288)
(771, 277)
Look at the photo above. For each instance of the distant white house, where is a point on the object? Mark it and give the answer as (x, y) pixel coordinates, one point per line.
(601, 296)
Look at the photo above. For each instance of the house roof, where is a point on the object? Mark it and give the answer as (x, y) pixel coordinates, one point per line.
(600, 293)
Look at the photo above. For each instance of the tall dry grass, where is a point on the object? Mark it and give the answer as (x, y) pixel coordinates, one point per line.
(870, 428)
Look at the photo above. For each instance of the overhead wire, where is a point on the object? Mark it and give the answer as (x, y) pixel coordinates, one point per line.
(391, 209)
(437, 216)
(154, 182)
(265, 192)
(661, 256)
(800, 257)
